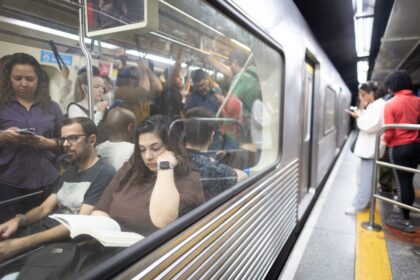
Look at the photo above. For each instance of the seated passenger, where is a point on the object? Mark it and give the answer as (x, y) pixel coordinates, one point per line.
(216, 176)
(156, 186)
(78, 190)
(119, 148)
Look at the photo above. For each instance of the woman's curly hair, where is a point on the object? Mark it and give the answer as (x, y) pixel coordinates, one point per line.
(6, 90)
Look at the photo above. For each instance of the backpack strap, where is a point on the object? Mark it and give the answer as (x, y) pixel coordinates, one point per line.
(78, 105)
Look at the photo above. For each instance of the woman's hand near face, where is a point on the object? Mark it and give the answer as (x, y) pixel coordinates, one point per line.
(167, 156)
(101, 106)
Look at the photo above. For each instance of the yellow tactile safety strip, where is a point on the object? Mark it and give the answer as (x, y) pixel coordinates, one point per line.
(372, 261)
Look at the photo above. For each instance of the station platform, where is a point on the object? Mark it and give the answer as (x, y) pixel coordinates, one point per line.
(334, 245)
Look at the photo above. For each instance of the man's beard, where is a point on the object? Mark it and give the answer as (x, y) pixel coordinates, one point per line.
(76, 159)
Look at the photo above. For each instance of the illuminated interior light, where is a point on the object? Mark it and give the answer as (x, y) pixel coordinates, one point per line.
(160, 59)
(362, 71)
(240, 44)
(52, 31)
(191, 18)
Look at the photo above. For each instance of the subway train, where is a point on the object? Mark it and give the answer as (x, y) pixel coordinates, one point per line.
(246, 230)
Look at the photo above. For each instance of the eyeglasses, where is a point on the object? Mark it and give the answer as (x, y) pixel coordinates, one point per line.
(71, 138)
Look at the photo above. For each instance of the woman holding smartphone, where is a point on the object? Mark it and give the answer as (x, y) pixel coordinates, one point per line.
(30, 123)
(369, 119)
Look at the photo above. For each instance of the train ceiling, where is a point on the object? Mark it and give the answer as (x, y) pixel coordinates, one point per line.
(332, 24)
(175, 31)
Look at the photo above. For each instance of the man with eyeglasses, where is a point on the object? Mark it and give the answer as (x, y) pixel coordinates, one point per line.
(78, 190)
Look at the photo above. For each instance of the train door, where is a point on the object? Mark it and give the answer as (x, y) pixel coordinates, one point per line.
(306, 150)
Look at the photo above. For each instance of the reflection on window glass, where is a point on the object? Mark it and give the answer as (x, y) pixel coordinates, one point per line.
(200, 96)
(329, 110)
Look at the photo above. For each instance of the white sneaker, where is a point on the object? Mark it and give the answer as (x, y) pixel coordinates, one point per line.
(353, 210)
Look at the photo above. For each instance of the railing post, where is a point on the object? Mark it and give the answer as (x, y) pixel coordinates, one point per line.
(370, 225)
(82, 26)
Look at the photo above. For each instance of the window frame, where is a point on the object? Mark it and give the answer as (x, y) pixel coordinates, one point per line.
(125, 258)
(333, 127)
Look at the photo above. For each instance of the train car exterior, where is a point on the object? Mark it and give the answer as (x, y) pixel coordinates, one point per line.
(241, 232)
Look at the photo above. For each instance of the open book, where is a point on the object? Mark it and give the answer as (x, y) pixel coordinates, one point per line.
(106, 230)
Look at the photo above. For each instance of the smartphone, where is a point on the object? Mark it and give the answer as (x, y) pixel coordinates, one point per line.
(353, 108)
(27, 131)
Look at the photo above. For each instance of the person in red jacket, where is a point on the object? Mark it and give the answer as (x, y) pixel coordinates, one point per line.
(404, 145)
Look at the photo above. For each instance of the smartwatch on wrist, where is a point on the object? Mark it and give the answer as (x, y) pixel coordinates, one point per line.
(163, 165)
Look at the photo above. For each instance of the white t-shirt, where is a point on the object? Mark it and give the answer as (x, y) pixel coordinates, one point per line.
(115, 153)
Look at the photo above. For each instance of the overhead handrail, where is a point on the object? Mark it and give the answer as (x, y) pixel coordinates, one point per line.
(370, 225)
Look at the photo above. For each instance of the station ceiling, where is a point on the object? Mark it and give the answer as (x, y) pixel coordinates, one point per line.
(332, 25)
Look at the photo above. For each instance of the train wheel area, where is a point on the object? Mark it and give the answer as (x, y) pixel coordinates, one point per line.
(333, 245)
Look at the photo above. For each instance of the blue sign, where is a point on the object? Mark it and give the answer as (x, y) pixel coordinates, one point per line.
(49, 57)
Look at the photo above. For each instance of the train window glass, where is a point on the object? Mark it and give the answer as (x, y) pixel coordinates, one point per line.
(329, 110)
(196, 58)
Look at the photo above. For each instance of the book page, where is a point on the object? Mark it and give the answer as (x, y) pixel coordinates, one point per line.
(117, 239)
(106, 230)
(81, 224)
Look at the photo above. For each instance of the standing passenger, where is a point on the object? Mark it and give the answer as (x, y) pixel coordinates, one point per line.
(81, 108)
(404, 145)
(203, 95)
(246, 86)
(26, 161)
(369, 120)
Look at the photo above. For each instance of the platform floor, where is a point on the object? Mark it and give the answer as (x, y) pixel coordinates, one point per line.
(332, 243)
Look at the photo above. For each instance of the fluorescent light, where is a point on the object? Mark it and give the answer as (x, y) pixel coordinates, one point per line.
(135, 53)
(240, 44)
(51, 31)
(362, 69)
(363, 35)
(160, 59)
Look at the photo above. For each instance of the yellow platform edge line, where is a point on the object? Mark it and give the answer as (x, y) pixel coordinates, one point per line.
(372, 260)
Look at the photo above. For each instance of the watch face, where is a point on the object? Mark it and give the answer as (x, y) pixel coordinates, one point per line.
(164, 165)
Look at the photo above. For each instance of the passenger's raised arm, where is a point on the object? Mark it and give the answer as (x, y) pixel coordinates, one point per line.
(156, 186)
(164, 202)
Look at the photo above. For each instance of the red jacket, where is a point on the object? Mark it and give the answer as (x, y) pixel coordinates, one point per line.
(403, 108)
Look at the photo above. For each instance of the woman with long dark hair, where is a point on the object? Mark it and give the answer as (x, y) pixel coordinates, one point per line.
(30, 123)
(369, 120)
(156, 185)
(404, 145)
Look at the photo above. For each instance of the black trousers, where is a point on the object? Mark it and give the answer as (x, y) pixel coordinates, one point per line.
(408, 156)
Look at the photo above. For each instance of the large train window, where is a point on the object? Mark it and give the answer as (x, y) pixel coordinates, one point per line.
(219, 85)
(329, 110)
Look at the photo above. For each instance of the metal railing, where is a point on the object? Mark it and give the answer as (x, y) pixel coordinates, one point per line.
(370, 225)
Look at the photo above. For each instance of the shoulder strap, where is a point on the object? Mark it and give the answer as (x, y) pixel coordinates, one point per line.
(78, 105)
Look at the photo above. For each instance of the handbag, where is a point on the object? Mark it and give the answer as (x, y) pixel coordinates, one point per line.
(354, 142)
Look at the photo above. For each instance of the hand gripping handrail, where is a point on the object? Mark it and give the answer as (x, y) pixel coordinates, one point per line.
(370, 225)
